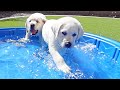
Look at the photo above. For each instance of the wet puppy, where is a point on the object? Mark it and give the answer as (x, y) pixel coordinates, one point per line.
(60, 34)
(34, 24)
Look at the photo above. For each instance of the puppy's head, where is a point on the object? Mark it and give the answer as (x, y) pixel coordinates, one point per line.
(35, 23)
(68, 32)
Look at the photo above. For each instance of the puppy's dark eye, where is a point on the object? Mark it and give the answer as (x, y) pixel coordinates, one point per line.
(74, 35)
(30, 21)
(64, 33)
(37, 21)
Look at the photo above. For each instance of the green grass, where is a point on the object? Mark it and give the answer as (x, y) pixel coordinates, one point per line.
(14, 22)
(107, 27)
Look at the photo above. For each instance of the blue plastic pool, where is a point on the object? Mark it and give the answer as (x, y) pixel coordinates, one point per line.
(93, 57)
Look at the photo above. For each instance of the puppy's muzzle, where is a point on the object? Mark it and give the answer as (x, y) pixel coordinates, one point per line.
(68, 44)
(32, 27)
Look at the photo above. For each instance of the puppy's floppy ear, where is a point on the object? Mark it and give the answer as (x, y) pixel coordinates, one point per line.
(80, 32)
(27, 27)
(56, 28)
(44, 21)
(25, 24)
(43, 17)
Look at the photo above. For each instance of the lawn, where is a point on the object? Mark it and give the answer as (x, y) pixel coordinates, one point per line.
(107, 27)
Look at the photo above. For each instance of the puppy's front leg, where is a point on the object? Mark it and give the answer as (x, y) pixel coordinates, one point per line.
(59, 61)
(27, 35)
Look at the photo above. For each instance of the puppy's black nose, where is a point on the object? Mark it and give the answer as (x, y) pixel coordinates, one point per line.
(32, 26)
(68, 44)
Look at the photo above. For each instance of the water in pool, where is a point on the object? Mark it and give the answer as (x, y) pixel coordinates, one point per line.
(29, 61)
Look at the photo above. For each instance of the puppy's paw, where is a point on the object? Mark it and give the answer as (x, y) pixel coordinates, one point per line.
(65, 68)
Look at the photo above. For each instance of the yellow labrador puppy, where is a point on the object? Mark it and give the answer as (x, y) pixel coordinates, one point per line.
(34, 24)
(60, 34)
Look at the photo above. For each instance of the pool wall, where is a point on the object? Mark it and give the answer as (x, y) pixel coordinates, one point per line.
(106, 45)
